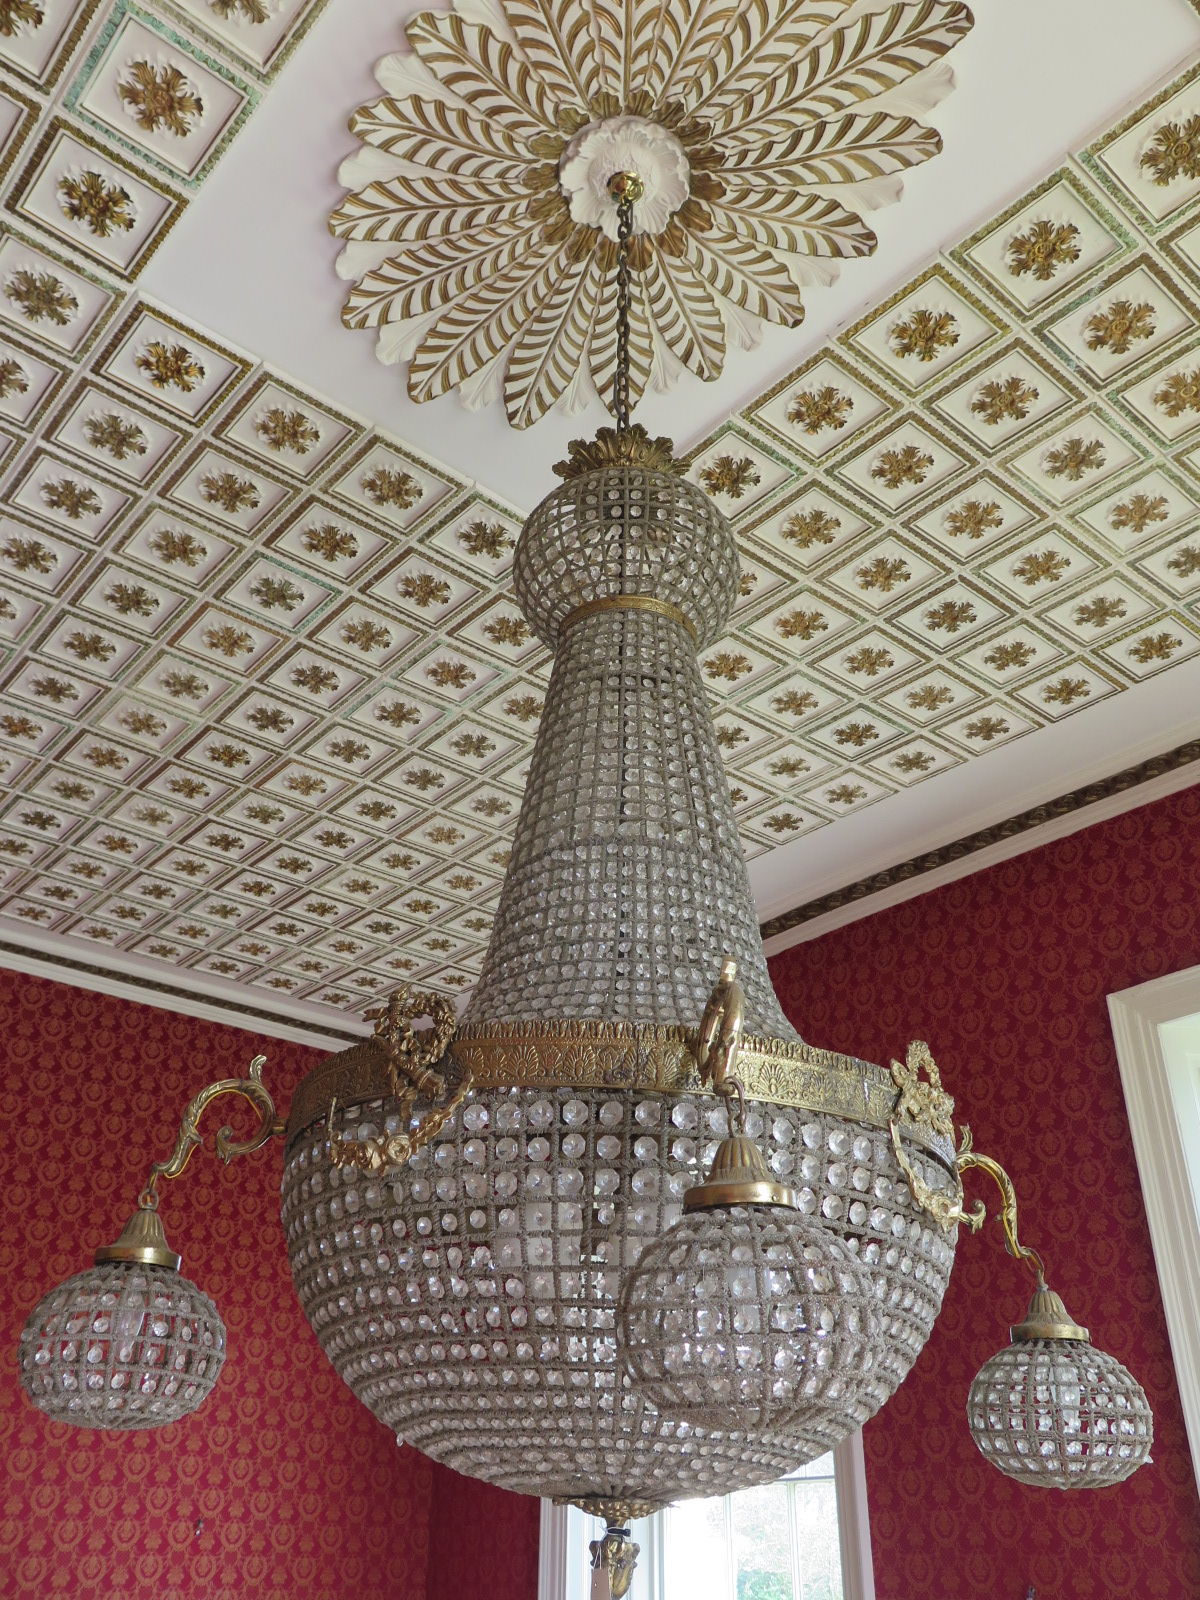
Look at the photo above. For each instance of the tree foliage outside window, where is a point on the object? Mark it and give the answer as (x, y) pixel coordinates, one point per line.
(778, 1542)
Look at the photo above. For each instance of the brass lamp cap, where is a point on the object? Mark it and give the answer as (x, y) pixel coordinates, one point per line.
(739, 1176)
(1048, 1318)
(142, 1239)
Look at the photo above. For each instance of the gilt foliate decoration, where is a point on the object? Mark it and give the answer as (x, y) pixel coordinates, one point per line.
(480, 233)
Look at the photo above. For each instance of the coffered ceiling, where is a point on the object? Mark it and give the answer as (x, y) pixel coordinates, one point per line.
(268, 702)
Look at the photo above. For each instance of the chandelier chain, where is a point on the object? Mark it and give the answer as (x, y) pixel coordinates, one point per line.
(621, 376)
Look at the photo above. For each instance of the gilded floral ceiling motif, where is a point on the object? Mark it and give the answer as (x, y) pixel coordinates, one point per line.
(480, 235)
(113, 114)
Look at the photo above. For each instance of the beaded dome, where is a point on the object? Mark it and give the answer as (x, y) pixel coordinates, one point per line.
(626, 530)
(122, 1345)
(1060, 1414)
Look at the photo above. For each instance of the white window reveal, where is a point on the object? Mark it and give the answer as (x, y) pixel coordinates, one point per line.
(1156, 1027)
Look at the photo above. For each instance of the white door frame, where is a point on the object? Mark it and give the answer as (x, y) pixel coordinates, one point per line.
(1164, 1122)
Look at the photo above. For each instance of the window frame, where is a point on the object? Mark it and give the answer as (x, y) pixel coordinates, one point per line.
(1150, 1026)
(560, 1564)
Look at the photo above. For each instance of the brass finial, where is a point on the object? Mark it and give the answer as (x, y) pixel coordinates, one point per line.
(1047, 1318)
(626, 186)
(613, 447)
(617, 1513)
(143, 1239)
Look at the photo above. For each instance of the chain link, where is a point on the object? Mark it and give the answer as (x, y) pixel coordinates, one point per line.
(621, 376)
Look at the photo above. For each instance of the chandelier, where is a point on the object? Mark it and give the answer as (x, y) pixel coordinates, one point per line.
(618, 1235)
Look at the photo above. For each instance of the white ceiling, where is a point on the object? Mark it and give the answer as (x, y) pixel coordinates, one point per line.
(253, 259)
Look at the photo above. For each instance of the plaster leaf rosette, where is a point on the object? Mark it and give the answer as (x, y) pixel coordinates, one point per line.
(480, 234)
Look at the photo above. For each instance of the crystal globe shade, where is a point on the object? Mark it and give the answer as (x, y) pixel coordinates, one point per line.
(1060, 1414)
(754, 1317)
(122, 1345)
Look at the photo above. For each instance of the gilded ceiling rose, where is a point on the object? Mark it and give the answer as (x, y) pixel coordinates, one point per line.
(480, 234)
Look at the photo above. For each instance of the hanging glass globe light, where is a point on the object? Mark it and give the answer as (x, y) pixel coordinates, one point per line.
(128, 1343)
(745, 1315)
(1054, 1412)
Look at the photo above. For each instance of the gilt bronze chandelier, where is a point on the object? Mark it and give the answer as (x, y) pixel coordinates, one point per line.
(617, 1236)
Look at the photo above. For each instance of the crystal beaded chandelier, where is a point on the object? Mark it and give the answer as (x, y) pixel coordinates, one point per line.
(499, 1227)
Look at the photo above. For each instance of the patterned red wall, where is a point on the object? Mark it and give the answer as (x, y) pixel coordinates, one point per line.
(483, 1542)
(1005, 974)
(302, 1494)
(282, 1487)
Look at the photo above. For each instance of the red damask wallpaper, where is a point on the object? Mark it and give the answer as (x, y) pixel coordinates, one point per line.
(1005, 974)
(282, 1487)
(483, 1541)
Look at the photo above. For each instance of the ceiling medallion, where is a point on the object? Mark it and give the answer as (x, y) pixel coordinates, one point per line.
(480, 230)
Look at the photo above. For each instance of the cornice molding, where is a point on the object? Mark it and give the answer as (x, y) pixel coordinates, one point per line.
(55, 958)
(909, 873)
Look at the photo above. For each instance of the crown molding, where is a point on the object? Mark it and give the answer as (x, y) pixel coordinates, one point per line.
(1068, 813)
(45, 955)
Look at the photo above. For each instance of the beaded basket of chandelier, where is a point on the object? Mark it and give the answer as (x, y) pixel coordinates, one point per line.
(469, 1300)
(469, 1297)
(122, 1345)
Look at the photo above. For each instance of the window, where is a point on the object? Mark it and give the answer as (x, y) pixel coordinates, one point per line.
(804, 1538)
(779, 1542)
